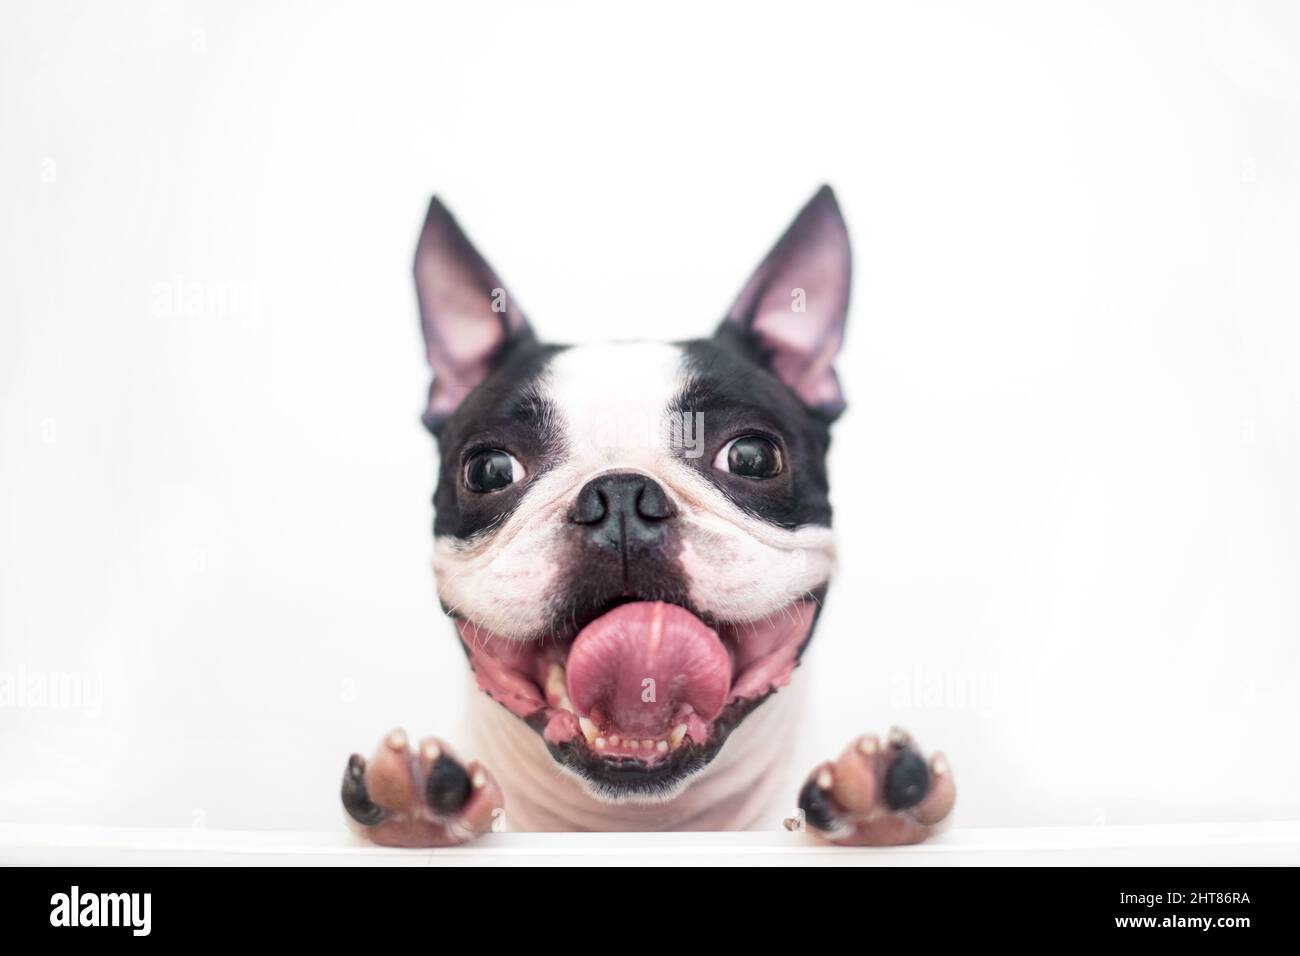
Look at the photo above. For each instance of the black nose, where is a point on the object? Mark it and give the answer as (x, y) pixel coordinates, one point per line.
(623, 512)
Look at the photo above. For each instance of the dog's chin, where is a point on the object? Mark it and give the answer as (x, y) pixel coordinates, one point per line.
(642, 696)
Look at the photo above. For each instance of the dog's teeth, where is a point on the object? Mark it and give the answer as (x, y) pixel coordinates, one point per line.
(648, 744)
(589, 729)
(555, 678)
(662, 746)
(677, 736)
(633, 744)
(613, 740)
(557, 689)
(600, 743)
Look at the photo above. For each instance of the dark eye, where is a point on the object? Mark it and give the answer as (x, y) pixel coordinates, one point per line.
(750, 456)
(492, 470)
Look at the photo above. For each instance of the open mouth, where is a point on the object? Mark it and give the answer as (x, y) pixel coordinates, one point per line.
(646, 693)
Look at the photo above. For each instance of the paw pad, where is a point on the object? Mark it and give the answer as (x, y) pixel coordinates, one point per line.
(907, 780)
(447, 788)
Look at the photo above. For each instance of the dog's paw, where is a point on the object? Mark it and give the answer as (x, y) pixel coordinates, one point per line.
(877, 794)
(418, 797)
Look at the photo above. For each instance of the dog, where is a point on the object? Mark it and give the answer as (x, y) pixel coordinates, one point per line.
(633, 541)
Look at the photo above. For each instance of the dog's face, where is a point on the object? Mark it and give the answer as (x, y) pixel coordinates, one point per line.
(634, 539)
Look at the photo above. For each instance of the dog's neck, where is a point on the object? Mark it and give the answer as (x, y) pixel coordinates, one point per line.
(734, 792)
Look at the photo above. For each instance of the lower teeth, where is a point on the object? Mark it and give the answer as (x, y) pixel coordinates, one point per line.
(596, 738)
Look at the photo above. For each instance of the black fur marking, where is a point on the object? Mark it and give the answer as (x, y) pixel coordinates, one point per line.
(356, 799)
(505, 411)
(728, 384)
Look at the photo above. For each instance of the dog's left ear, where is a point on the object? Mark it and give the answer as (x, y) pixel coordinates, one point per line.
(792, 309)
(470, 322)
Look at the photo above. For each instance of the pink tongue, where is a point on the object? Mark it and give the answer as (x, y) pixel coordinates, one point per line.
(639, 662)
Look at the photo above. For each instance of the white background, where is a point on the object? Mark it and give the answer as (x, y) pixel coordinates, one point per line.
(1066, 487)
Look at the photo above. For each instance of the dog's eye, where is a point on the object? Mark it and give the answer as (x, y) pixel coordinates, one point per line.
(492, 470)
(750, 456)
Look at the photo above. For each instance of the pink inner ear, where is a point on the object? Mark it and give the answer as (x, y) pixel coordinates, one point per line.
(461, 360)
(464, 336)
(812, 256)
(446, 393)
(818, 387)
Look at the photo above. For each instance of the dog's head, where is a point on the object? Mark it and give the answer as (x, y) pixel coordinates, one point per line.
(634, 539)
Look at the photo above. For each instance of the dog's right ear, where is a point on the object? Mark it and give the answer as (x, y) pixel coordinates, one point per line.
(470, 322)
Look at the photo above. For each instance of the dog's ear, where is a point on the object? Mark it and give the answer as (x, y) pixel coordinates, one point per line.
(470, 322)
(792, 309)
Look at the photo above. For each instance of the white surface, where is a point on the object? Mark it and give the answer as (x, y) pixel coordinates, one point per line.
(1065, 487)
(1251, 844)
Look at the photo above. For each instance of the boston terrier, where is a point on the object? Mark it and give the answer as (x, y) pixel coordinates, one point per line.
(633, 541)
